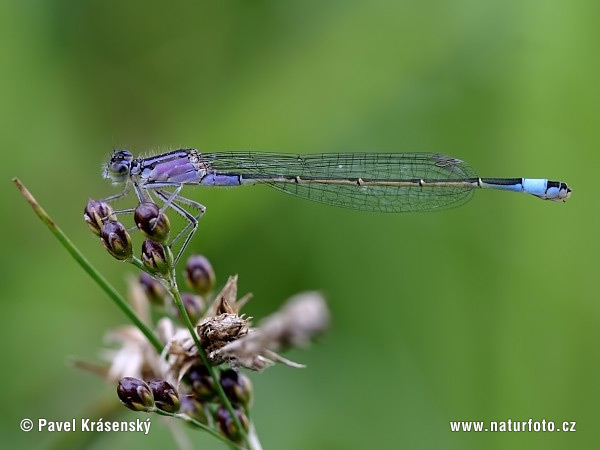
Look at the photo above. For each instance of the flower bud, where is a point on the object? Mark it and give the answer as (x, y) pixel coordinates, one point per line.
(193, 408)
(152, 222)
(227, 425)
(194, 305)
(201, 383)
(96, 213)
(154, 291)
(154, 257)
(200, 275)
(116, 240)
(135, 394)
(237, 387)
(166, 397)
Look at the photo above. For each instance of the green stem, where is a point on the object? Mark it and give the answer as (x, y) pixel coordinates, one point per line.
(200, 425)
(139, 264)
(174, 291)
(170, 282)
(91, 271)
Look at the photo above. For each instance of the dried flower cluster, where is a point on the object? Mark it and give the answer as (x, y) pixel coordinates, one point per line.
(186, 378)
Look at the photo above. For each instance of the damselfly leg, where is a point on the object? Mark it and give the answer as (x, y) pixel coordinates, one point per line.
(173, 200)
(118, 196)
(192, 225)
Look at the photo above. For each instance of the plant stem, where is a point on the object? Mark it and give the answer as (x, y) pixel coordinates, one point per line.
(87, 266)
(253, 440)
(174, 291)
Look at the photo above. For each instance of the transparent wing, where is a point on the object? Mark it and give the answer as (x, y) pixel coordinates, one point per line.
(367, 166)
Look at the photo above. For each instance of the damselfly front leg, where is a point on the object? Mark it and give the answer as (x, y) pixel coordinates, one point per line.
(112, 198)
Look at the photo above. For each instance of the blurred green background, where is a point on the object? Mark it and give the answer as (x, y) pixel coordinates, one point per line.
(484, 312)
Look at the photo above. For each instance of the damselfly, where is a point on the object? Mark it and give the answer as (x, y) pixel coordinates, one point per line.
(382, 182)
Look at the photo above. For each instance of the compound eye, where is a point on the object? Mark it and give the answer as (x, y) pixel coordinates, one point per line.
(119, 168)
(118, 171)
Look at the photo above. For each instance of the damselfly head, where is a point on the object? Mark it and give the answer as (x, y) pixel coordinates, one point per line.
(117, 168)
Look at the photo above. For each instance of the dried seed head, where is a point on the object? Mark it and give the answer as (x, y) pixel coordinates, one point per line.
(116, 240)
(200, 275)
(166, 397)
(302, 318)
(193, 408)
(216, 332)
(135, 394)
(96, 213)
(152, 222)
(155, 258)
(226, 301)
(200, 382)
(227, 425)
(194, 305)
(237, 386)
(155, 292)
